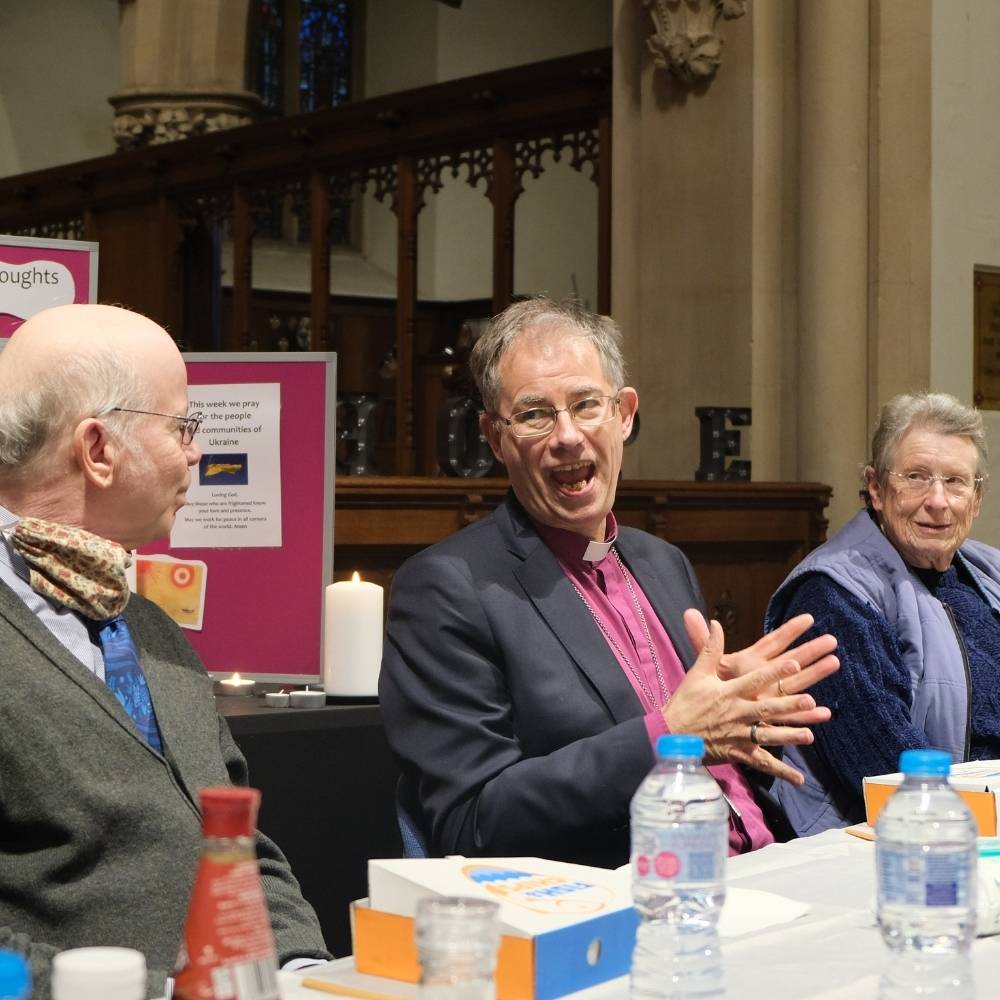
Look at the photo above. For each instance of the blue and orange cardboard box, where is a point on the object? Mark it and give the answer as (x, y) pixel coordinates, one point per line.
(563, 927)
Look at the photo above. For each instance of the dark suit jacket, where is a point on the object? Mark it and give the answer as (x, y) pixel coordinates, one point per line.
(99, 834)
(513, 722)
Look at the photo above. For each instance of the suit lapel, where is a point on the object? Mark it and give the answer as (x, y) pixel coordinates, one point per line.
(661, 593)
(559, 605)
(569, 618)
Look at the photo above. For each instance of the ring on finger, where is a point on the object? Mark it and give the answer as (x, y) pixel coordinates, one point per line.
(753, 733)
(781, 690)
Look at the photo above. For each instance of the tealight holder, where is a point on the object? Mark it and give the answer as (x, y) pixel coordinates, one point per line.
(307, 699)
(229, 687)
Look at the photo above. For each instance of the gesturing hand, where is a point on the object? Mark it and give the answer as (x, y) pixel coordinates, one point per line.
(723, 695)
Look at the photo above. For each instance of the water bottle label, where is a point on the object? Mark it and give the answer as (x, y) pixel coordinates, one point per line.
(918, 878)
(694, 852)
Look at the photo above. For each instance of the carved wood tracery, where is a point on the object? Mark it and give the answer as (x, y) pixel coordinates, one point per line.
(583, 146)
(61, 229)
(493, 129)
(477, 163)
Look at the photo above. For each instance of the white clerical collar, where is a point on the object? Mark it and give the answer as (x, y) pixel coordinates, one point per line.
(596, 551)
(568, 546)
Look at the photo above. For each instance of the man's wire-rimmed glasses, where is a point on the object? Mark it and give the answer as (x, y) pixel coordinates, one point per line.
(189, 424)
(540, 420)
(917, 482)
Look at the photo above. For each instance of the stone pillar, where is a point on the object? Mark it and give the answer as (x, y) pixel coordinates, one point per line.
(774, 242)
(681, 229)
(183, 68)
(900, 297)
(833, 247)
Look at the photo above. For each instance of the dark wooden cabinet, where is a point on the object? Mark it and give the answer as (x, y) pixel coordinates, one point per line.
(743, 538)
(327, 782)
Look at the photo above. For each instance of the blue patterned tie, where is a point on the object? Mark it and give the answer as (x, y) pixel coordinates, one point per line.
(124, 676)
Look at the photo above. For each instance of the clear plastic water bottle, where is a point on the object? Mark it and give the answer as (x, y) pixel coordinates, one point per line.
(15, 976)
(680, 842)
(926, 850)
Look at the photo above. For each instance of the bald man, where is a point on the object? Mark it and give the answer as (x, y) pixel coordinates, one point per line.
(108, 727)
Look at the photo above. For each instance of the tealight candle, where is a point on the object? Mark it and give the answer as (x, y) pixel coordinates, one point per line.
(276, 699)
(235, 685)
(352, 637)
(307, 699)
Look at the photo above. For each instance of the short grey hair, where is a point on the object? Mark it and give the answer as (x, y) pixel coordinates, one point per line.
(930, 411)
(90, 384)
(540, 313)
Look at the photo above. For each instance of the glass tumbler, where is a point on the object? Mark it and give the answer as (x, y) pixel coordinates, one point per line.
(457, 939)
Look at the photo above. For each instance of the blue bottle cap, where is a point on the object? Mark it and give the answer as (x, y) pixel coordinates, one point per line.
(15, 978)
(680, 745)
(931, 762)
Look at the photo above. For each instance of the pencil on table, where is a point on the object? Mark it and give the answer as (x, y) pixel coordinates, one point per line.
(346, 991)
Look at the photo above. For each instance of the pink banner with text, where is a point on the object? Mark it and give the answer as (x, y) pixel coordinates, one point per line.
(36, 274)
(247, 582)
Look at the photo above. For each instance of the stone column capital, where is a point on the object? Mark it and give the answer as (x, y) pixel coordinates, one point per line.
(685, 39)
(148, 119)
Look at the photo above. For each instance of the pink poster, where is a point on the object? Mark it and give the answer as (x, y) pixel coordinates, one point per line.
(256, 610)
(36, 274)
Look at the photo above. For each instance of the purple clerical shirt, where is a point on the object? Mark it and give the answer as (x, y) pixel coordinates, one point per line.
(603, 583)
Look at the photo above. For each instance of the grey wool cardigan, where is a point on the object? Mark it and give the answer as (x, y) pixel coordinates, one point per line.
(99, 834)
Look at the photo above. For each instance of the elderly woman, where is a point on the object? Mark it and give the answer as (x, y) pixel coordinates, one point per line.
(915, 607)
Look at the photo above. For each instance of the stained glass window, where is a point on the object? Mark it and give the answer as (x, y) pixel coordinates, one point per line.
(269, 63)
(303, 54)
(324, 53)
(303, 51)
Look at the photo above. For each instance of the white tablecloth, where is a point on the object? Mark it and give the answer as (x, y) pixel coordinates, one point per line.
(835, 952)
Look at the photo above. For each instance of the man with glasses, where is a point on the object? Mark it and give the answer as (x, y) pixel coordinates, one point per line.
(915, 605)
(108, 726)
(532, 660)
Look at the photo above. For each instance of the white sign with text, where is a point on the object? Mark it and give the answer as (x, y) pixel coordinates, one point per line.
(235, 496)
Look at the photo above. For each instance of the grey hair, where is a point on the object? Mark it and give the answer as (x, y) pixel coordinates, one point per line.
(537, 313)
(92, 384)
(931, 411)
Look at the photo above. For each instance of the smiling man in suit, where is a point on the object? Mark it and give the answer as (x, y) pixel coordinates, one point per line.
(532, 660)
(108, 726)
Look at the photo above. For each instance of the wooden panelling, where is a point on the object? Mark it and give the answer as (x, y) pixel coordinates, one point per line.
(743, 538)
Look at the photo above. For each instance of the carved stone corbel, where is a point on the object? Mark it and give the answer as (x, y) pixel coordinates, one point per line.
(685, 40)
(151, 119)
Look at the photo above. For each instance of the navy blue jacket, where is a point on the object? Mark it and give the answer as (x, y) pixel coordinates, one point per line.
(511, 719)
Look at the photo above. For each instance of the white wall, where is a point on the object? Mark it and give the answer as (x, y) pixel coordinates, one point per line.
(965, 199)
(484, 35)
(60, 64)
(555, 247)
(9, 160)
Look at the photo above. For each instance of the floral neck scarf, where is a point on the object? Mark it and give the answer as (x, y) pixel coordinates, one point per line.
(73, 567)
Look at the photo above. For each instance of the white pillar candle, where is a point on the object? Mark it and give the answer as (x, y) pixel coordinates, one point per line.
(352, 638)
